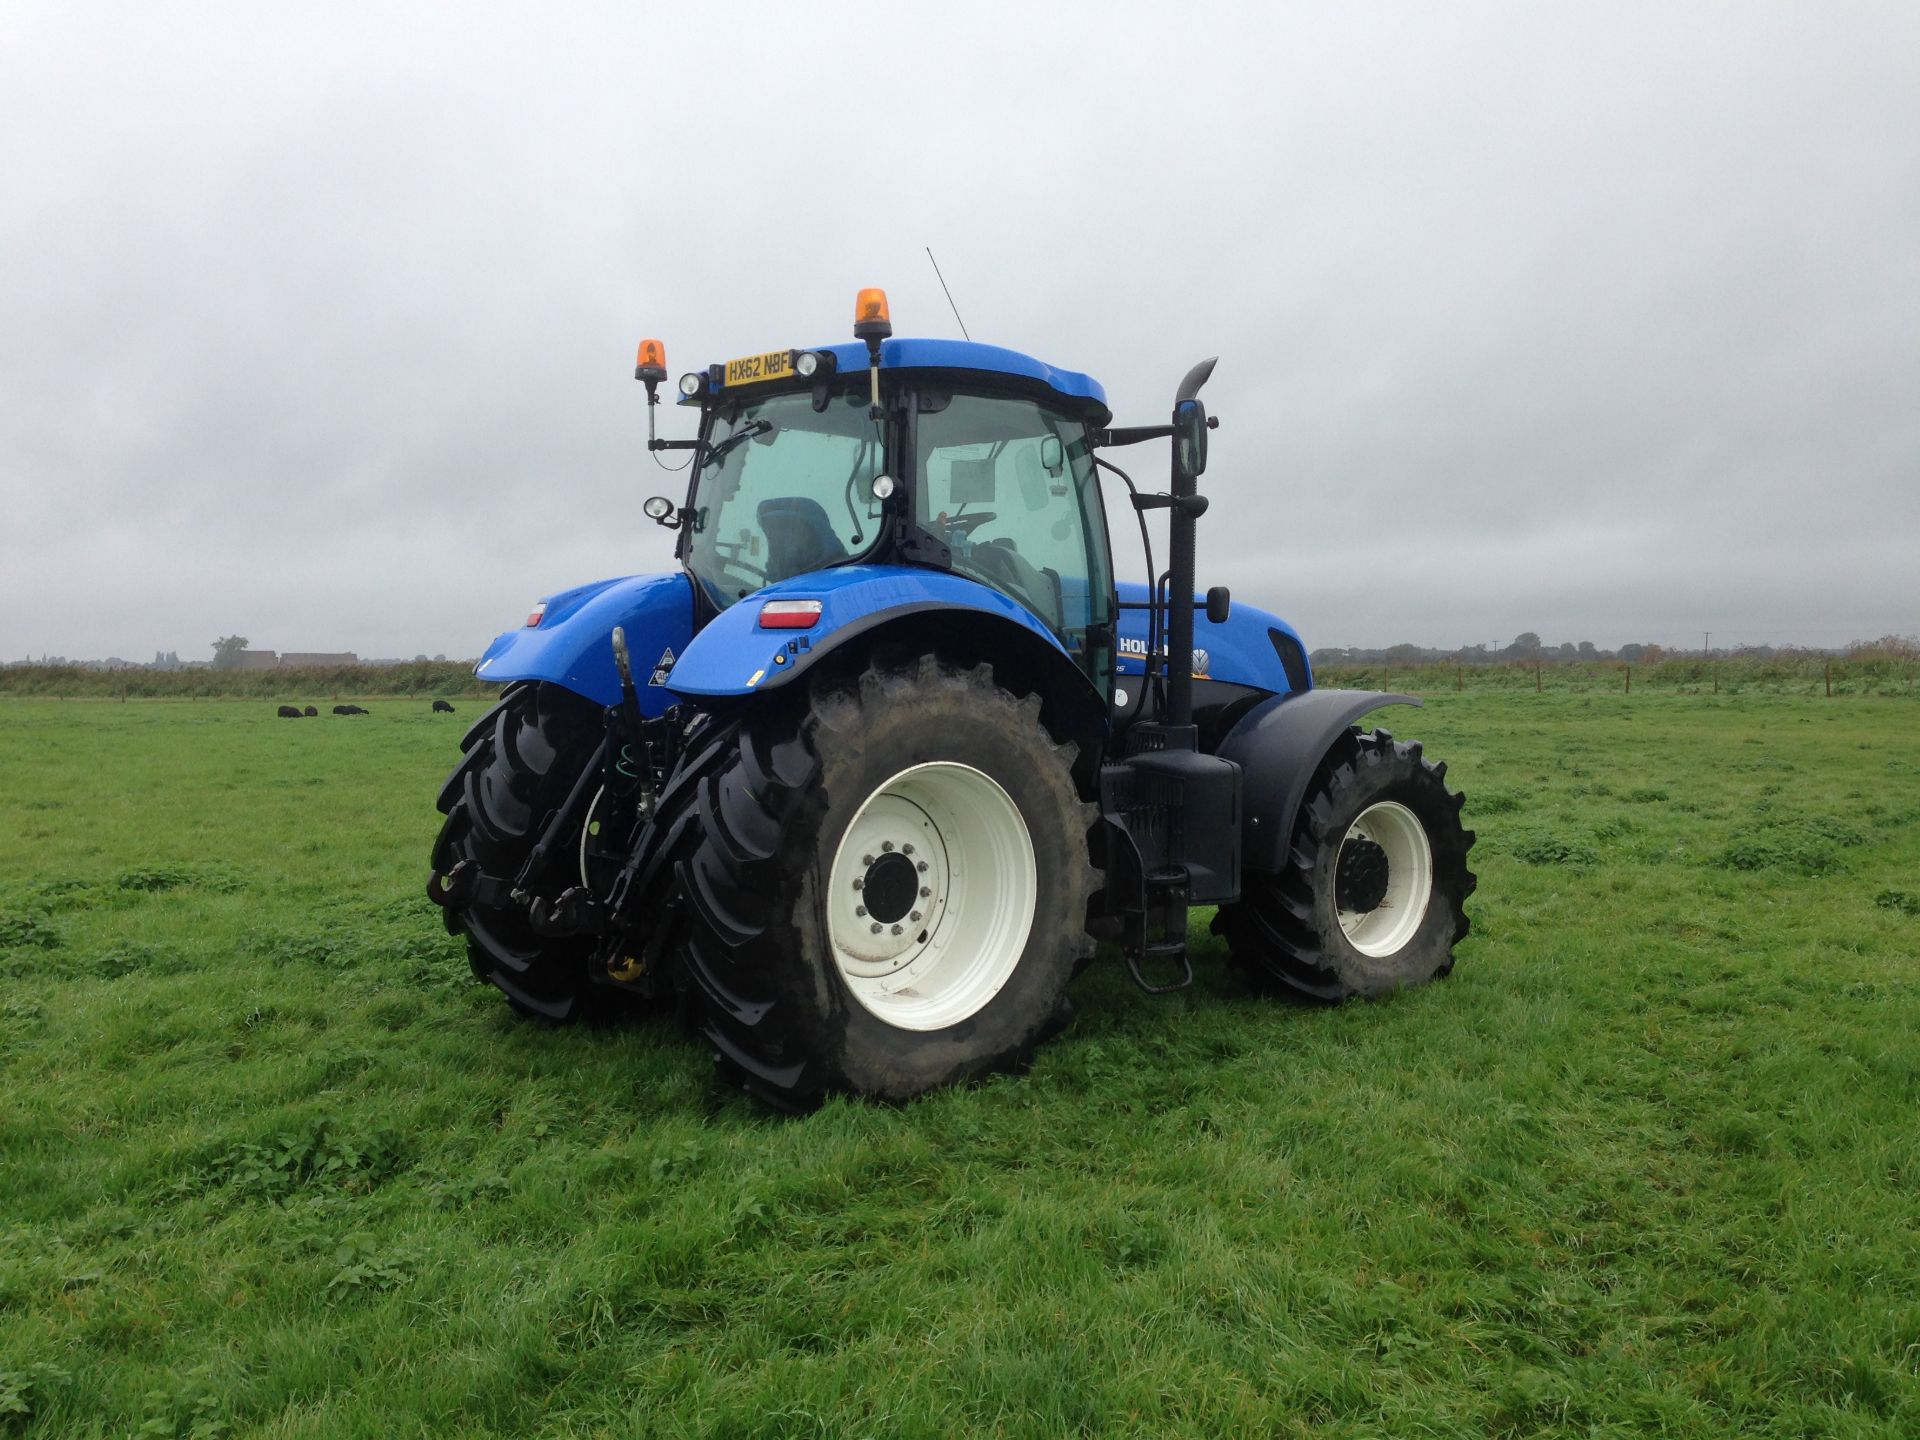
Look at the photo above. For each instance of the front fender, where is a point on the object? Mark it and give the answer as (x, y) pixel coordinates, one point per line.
(734, 656)
(1278, 745)
(573, 643)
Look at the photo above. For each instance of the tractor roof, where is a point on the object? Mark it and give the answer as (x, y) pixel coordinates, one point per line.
(911, 354)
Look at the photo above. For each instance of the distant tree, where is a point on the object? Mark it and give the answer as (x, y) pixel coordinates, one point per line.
(1651, 654)
(441, 659)
(226, 651)
(1887, 647)
(1566, 650)
(1526, 645)
(1586, 651)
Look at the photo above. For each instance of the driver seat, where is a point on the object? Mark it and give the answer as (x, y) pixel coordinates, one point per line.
(799, 537)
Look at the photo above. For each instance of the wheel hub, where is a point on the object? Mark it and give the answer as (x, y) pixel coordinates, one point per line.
(1360, 877)
(891, 887)
(1383, 879)
(931, 896)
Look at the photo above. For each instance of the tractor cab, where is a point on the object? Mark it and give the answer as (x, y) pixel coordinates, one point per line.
(937, 454)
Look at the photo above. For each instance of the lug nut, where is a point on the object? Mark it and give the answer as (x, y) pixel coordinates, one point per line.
(859, 909)
(921, 867)
(876, 927)
(866, 859)
(886, 845)
(906, 849)
(914, 916)
(859, 884)
(896, 929)
(924, 892)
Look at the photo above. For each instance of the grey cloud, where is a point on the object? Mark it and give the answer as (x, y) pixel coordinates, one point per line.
(1601, 321)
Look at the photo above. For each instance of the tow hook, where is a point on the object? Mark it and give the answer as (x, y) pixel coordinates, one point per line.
(574, 913)
(451, 889)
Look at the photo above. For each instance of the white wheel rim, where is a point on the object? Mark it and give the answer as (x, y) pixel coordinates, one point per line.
(974, 885)
(1388, 926)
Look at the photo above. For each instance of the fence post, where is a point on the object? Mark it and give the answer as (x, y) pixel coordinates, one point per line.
(1629, 670)
(1829, 679)
(1459, 680)
(1536, 677)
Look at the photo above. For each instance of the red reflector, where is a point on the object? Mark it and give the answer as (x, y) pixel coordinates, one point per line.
(789, 614)
(533, 617)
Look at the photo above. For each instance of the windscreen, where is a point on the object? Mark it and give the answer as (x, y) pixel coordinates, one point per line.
(783, 489)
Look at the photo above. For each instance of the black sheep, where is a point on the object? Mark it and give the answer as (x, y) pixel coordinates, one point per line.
(309, 711)
(288, 712)
(441, 707)
(348, 710)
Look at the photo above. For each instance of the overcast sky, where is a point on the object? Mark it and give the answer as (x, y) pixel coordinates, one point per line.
(317, 322)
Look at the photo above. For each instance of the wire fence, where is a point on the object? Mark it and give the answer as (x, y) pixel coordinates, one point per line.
(1798, 675)
(414, 679)
(454, 679)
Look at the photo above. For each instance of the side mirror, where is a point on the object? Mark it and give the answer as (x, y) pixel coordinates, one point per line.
(1190, 439)
(1190, 425)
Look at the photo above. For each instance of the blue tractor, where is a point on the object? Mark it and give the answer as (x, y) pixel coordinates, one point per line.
(864, 782)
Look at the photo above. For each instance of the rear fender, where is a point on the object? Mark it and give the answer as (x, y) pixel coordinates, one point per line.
(735, 657)
(573, 643)
(1278, 745)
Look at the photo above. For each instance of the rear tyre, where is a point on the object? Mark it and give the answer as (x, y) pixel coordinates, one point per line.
(891, 887)
(1371, 898)
(523, 757)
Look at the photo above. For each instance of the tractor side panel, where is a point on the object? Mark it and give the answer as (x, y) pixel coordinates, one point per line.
(736, 656)
(1243, 651)
(573, 643)
(1278, 745)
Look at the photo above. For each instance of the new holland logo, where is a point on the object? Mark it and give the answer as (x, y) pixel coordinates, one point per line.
(1137, 649)
(662, 667)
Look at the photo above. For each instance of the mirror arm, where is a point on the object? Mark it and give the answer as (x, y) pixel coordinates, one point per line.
(673, 444)
(1194, 505)
(1131, 434)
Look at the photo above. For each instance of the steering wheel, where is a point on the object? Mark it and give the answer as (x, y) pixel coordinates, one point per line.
(967, 524)
(730, 553)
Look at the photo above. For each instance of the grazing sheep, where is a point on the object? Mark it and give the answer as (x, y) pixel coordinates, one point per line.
(348, 710)
(289, 712)
(441, 707)
(309, 711)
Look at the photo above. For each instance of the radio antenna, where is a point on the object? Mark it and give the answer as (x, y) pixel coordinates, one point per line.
(943, 285)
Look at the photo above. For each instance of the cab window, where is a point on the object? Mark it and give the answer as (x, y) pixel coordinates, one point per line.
(1010, 486)
(783, 489)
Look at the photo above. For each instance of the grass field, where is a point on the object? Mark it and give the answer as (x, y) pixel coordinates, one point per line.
(1649, 1163)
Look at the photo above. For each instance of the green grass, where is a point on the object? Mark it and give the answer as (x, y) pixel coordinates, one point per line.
(270, 1164)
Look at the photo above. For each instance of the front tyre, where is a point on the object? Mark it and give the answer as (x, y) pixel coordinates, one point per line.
(1372, 895)
(890, 894)
(523, 758)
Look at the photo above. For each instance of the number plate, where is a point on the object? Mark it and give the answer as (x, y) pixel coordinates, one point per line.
(752, 369)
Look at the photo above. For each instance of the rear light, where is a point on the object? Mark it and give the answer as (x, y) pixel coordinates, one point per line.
(789, 614)
(533, 615)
